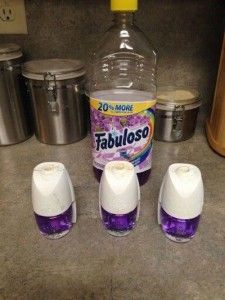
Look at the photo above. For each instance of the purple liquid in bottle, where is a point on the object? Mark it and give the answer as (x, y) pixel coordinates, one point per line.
(178, 230)
(120, 145)
(57, 226)
(119, 225)
(142, 177)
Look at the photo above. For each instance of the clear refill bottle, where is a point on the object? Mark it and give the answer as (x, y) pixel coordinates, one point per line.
(122, 93)
(119, 198)
(180, 202)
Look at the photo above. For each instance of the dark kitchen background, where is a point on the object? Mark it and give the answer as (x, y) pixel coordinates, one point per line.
(187, 35)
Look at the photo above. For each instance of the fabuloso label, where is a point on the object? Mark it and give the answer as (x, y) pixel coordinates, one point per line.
(122, 131)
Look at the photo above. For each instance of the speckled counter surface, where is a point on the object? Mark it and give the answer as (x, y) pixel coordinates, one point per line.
(90, 264)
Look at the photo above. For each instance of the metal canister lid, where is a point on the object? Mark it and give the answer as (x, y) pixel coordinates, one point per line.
(60, 69)
(169, 97)
(9, 51)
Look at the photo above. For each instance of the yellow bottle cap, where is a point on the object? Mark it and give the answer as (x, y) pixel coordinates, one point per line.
(124, 5)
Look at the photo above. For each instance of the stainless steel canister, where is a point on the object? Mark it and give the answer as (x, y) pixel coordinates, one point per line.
(176, 114)
(14, 105)
(59, 103)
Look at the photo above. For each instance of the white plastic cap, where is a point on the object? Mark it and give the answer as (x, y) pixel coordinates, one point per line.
(181, 195)
(52, 190)
(119, 191)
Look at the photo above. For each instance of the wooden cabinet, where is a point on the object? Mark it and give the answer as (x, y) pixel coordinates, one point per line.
(215, 125)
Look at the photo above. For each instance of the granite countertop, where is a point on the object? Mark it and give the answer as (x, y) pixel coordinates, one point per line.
(90, 264)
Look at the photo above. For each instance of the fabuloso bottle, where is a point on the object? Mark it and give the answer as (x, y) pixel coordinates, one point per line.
(122, 94)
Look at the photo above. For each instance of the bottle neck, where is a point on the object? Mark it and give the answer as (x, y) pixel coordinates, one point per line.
(121, 18)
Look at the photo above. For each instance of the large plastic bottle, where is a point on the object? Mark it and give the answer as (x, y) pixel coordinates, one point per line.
(122, 94)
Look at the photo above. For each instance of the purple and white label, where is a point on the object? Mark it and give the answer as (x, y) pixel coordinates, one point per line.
(122, 131)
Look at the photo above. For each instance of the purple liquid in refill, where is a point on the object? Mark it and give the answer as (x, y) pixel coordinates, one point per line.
(57, 226)
(178, 230)
(119, 225)
(142, 177)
